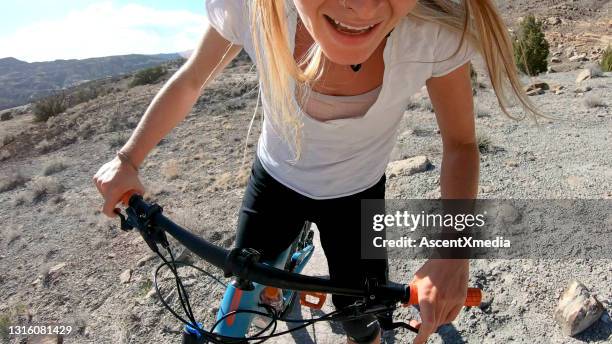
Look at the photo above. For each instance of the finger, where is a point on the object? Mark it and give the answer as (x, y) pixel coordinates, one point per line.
(109, 207)
(428, 324)
(452, 315)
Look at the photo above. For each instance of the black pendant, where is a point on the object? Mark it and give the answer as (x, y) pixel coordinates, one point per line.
(356, 67)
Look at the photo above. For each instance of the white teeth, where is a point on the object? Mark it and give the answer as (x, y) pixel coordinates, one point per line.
(352, 27)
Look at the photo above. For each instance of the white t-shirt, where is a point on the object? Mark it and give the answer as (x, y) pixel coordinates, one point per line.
(344, 156)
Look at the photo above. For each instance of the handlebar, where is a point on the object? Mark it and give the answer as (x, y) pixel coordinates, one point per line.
(243, 263)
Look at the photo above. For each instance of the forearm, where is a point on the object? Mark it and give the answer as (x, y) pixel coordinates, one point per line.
(460, 170)
(174, 101)
(169, 107)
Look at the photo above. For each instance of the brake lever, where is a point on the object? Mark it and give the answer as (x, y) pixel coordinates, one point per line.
(125, 225)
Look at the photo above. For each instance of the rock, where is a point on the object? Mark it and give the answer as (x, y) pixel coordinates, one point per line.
(583, 75)
(553, 21)
(578, 58)
(582, 89)
(408, 166)
(577, 309)
(125, 276)
(557, 87)
(512, 163)
(537, 84)
(55, 270)
(535, 92)
(536, 88)
(555, 60)
(550, 70)
(595, 69)
(592, 71)
(507, 213)
(569, 52)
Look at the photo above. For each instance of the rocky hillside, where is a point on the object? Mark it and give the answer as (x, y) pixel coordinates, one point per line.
(21, 82)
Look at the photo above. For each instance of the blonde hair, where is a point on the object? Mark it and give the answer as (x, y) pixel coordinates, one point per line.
(478, 21)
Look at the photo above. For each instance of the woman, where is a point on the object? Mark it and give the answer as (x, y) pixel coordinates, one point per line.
(335, 77)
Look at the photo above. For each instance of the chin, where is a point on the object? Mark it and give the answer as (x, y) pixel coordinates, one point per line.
(346, 56)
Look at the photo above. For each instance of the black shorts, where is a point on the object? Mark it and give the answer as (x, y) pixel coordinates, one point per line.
(272, 216)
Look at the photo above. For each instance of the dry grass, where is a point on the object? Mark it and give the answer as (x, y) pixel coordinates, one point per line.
(12, 181)
(230, 180)
(40, 188)
(593, 102)
(170, 169)
(7, 139)
(44, 146)
(118, 139)
(54, 166)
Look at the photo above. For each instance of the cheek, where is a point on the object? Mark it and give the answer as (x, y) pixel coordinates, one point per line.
(402, 8)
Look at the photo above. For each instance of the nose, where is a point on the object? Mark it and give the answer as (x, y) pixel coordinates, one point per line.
(365, 9)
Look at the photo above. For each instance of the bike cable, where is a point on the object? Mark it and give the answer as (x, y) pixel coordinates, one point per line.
(215, 338)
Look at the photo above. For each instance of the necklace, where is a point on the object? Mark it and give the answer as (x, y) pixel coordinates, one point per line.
(357, 67)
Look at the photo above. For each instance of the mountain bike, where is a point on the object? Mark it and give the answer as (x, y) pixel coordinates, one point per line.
(250, 278)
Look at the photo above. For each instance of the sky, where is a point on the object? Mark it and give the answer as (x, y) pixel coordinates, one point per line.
(46, 30)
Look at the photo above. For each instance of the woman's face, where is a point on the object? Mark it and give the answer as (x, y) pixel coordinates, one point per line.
(349, 31)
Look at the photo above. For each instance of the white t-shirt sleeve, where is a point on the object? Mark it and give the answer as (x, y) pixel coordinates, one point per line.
(445, 59)
(228, 17)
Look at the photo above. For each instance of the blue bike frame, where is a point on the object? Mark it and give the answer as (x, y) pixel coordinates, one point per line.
(236, 298)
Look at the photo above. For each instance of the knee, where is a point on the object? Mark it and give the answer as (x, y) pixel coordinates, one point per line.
(364, 330)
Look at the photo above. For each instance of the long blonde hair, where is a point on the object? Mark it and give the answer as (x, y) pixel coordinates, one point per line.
(478, 21)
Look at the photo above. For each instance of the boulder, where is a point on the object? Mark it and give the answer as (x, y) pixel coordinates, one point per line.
(125, 276)
(537, 84)
(553, 21)
(582, 89)
(555, 60)
(591, 71)
(578, 58)
(408, 166)
(577, 310)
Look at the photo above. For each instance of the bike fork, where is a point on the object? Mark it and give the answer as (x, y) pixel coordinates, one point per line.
(240, 295)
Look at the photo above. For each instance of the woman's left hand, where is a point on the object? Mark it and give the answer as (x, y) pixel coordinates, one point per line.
(442, 288)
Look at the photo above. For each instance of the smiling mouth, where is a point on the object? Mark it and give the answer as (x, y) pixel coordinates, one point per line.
(349, 29)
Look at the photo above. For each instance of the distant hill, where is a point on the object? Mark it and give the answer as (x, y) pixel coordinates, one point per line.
(21, 82)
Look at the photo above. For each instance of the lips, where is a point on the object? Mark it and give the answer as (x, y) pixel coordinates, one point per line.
(348, 28)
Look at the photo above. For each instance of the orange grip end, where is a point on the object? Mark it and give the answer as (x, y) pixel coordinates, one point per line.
(125, 199)
(473, 299)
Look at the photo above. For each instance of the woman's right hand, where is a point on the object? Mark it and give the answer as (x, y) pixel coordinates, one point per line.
(114, 179)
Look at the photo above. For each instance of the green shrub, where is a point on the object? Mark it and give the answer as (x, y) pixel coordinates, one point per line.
(148, 76)
(50, 106)
(606, 60)
(530, 47)
(86, 94)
